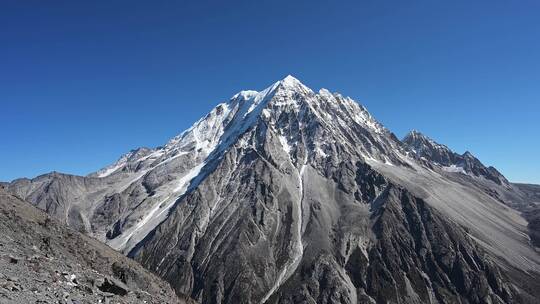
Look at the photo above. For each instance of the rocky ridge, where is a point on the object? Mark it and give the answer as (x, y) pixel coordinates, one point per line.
(423, 147)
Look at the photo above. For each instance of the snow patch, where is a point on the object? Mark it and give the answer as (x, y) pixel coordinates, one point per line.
(454, 169)
(320, 152)
(128, 239)
(110, 170)
(284, 144)
(183, 182)
(245, 94)
(298, 250)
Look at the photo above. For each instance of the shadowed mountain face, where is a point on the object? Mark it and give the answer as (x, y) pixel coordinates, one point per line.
(291, 196)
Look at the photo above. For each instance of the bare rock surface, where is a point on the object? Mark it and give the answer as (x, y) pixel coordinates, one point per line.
(42, 261)
(530, 207)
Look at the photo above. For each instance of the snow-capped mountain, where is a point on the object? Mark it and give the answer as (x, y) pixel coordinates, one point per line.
(289, 195)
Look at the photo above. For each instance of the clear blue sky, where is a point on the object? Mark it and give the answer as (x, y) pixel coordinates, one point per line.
(82, 82)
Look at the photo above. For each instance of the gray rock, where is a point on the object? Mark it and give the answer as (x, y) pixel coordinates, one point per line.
(424, 148)
(52, 279)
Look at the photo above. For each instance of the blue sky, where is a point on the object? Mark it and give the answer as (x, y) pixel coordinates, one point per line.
(82, 82)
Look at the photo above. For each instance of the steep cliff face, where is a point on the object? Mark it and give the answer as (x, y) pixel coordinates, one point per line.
(289, 195)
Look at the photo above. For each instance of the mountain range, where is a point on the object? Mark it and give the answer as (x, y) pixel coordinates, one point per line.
(288, 195)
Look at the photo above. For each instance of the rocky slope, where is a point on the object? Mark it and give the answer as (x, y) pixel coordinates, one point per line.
(42, 261)
(468, 170)
(530, 208)
(289, 195)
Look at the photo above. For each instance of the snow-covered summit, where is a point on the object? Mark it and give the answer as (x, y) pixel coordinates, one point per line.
(228, 120)
(307, 125)
(287, 83)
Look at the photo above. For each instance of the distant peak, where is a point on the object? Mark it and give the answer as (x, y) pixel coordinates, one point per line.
(414, 134)
(468, 154)
(417, 139)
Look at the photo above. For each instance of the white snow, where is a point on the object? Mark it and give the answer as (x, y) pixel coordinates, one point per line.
(265, 113)
(320, 152)
(455, 169)
(128, 239)
(245, 94)
(214, 133)
(183, 182)
(359, 114)
(120, 163)
(124, 160)
(219, 129)
(325, 93)
(110, 170)
(289, 80)
(284, 144)
(298, 250)
(143, 172)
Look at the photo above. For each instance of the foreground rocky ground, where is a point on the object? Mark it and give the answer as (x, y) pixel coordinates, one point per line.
(41, 261)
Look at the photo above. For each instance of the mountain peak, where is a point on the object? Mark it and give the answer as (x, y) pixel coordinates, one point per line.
(415, 134)
(468, 154)
(290, 80)
(419, 141)
(288, 84)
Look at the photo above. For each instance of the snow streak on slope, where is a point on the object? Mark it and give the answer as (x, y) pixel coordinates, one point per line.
(454, 168)
(109, 171)
(127, 240)
(209, 137)
(298, 251)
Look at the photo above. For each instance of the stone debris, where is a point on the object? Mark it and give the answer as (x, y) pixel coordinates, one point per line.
(52, 264)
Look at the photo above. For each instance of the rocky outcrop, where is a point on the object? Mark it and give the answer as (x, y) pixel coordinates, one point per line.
(43, 261)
